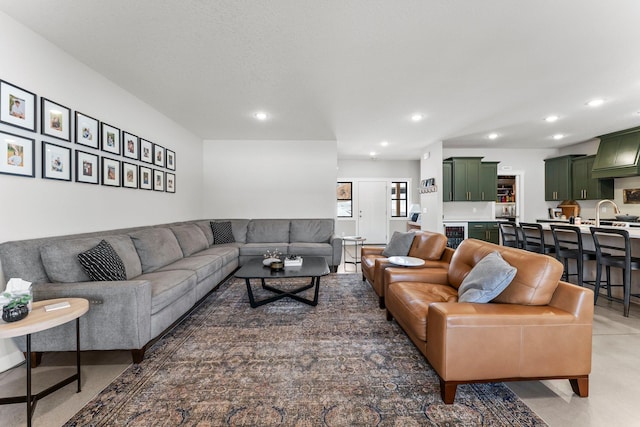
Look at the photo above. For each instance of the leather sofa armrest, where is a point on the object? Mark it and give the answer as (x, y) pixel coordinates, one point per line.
(436, 275)
(573, 299)
(371, 250)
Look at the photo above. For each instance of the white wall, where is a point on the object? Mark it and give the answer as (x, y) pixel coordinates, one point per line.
(431, 203)
(269, 179)
(35, 207)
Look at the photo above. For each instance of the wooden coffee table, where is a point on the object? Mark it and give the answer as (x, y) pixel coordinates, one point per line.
(40, 320)
(312, 267)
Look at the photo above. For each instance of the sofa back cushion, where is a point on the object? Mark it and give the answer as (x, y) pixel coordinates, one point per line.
(311, 230)
(428, 245)
(60, 257)
(156, 248)
(268, 231)
(190, 238)
(534, 283)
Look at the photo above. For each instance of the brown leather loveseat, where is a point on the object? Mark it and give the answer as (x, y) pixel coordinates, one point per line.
(539, 327)
(426, 245)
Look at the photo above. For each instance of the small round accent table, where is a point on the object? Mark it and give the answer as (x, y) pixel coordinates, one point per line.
(356, 241)
(39, 320)
(406, 261)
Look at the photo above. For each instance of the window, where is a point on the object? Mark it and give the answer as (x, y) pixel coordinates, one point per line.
(398, 199)
(345, 200)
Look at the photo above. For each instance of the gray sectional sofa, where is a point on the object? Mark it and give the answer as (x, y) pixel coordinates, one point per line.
(169, 269)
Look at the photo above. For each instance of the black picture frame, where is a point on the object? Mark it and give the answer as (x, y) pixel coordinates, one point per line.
(130, 146)
(145, 178)
(55, 120)
(56, 162)
(146, 151)
(20, 116)
(17, 155)
(111, 172)
(158, 180)
(87, 167)
(170, 157)
(158, 155)
(129, 175)
(110, 139)
(170, 182)
(87, 130)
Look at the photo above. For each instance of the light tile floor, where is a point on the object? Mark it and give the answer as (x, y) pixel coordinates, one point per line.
(614, 381)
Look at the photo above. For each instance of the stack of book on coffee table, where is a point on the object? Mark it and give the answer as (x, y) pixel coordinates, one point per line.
(293, 261)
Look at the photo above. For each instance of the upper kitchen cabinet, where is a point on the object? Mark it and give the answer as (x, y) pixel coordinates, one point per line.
(471, 180)
(557, 178)
(618, 155)
(585, 186)
(447, 187)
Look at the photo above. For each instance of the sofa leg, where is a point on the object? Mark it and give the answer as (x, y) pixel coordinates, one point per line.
(448, 391)
(381, 302)
(389, 315)
(138, 354)
(580, 386)
(36, 358)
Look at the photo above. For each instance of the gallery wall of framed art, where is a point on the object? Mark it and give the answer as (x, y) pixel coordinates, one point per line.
(76, 147)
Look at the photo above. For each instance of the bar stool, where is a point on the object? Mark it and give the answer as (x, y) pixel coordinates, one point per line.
(568, 242)
(533, 238)
(616, 240)
(509, 234)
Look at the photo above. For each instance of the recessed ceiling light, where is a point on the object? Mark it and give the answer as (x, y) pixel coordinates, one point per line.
(551, 119)
(384, 143)
(416, 117)
(373, 153)
(493, 135)
(558, 136)
(261, 115)
(595, 102)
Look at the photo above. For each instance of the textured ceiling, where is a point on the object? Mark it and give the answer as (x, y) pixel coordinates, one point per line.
(355, 70)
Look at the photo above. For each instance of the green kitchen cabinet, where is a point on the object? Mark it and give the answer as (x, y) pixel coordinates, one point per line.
(557, 178)
(466, 178)
(487, 231)
(447, 188)
(488, 181)
(585, 186)
(618, 155)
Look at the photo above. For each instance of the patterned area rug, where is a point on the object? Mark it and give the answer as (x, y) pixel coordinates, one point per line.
(340, 363)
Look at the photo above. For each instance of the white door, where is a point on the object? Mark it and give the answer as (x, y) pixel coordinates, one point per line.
(373, 222)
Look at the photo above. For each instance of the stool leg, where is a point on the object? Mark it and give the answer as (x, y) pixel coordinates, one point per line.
(580, 267)
(626, 274)
(609, 283)
(596, 291)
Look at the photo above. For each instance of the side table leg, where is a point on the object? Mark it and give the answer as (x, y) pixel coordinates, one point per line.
(78, 352)
(29, 401)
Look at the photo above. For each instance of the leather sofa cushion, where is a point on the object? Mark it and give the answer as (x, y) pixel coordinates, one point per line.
(60, 257)
(268, 230)
(156, 247)
(190, 238)
(534, 283)
(428, 245)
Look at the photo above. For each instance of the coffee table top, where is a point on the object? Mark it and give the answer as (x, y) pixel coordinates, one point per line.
(312, 266)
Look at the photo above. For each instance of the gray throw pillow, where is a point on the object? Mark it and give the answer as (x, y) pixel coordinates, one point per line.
(487, 279)
(399, 244)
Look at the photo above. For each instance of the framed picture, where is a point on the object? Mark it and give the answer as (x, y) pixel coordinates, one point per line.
(146, 151)
(171, 182)
(170, 157)
(56, 162)
(146, 178)
(158, 155)
(17, 106)
(130, 146)
(55, 120)
(17, 155)
(129, 175)
(110, 172)
(110, 139)
(158, 180)
(87, 168)
(87, 132)
(631, 195)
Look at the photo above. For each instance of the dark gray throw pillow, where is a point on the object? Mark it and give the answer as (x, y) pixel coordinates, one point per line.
(102, 263)
(399, 245)
(487, 279)
(222, 232)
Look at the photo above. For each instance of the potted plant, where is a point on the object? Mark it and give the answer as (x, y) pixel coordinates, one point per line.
(17, 308)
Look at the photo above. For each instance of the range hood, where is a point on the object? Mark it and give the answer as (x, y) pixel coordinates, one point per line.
(618, 155)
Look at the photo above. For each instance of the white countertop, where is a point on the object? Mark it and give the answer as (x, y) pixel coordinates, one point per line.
(634, 232)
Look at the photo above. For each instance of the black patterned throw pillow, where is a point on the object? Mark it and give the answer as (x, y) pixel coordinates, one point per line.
(222, 232)
(102, 263)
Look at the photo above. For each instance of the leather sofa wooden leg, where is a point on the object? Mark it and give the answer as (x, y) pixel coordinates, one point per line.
(580, 386)
(36, 358)
(389, 316)
(138, 354)
(381, 302)
(448, 391)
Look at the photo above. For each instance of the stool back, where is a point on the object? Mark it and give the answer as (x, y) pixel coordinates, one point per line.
(532, 237)
(509, 234)
(612, 239)
(566, 237)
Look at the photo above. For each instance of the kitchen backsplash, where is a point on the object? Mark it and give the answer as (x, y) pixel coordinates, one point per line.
(454, 211)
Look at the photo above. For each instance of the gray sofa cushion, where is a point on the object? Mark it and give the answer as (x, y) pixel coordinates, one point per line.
(204, 266)
(169, 286)
(311, 249)
(190, 238)
(268, 230)
(311, 230)
(60, 257)
(205, 226)
(156, 248)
